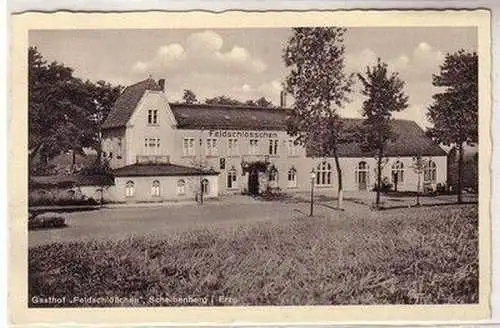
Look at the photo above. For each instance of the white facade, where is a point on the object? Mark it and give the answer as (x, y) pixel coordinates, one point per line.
(226, 151)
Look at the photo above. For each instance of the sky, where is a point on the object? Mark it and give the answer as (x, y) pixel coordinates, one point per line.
(247, 63)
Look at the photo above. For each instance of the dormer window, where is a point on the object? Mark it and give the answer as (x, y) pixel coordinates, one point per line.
(152, 116)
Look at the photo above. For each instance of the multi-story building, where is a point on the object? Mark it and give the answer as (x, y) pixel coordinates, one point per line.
(161, 150)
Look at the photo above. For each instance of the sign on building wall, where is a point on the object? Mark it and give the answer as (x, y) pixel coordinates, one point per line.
(241, 134)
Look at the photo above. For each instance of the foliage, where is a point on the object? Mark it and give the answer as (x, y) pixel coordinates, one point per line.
(261, 102)
(222, 100)
(64, 113)
(189, 97)
(404, 256)
(315, 58)
(37, 222)
(385, 95)
(454, 113)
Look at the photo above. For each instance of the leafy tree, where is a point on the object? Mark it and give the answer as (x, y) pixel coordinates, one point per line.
(222, 100)
(189, 97)
(56, 121)
(64, 113)
(102, 97)
(315, 57)
(261, 102)
(454, 112)
(385, 95)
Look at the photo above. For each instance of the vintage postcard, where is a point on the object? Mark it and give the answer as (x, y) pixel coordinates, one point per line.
(250, 167)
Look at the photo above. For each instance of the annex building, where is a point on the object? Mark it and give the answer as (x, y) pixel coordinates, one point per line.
(164, 151)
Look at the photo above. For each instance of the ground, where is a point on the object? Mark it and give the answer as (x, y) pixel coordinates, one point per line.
(258, 253)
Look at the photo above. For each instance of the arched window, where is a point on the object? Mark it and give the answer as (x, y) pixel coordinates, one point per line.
(181, 187)
(292, 177)
(231, 178)
(155, 188)
(324, 174)
(361, 175)
(430, 172)
(397, 172)
(204, 186)
(129, 189)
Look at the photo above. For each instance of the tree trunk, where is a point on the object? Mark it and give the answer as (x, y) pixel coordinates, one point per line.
(460, 172)
(340, 191)
(379, 176)
(73, 160)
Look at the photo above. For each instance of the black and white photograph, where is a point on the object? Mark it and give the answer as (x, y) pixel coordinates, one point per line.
(229, 166)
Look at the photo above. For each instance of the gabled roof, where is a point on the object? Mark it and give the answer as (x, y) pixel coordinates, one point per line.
(127, 102)
(145, 170)
(410, 141)
(228, 117)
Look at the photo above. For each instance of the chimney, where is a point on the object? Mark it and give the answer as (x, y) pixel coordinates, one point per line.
(161, 83)
(283, 99)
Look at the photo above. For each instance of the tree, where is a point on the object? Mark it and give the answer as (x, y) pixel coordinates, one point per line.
(102, 97)
(454, 112)
(418, 167)
(189, 97)
(385, 95)
(64, 113)
(263, 102)
(222, 100)
(315, 57)
(56, 121)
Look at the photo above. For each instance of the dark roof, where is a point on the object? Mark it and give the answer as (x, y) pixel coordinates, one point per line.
(68, 181)
(410, 141)
(228, 117)
(146, 170)
(127, 102)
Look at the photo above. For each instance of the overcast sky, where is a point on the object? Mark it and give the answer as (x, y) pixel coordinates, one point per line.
(246, 63)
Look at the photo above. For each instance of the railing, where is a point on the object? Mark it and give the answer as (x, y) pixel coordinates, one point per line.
(153, 159)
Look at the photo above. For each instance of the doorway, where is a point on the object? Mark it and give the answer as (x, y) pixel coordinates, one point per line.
(253, 182)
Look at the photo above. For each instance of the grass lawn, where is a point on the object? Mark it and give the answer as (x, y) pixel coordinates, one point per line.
(404, 256)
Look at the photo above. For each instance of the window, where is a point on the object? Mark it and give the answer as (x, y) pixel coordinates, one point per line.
(397, 172)
(292, 148)
(231, 178)
(151, 146)
(152, 116)
(181, 187)
(204, 186)
(273, 175)
(361, 175)
(273, 146)
(430, 172)
(292, 178)
(119, 156)
(188, 147)
(155, 188)
(232, 148)
(254, 143)
(324, 174)
(129, 189)
(211, 147)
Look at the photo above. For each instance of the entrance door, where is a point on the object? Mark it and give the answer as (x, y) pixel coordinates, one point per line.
(253, 182)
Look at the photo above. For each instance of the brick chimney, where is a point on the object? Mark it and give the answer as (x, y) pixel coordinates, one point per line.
(161, 83)
(283, 99)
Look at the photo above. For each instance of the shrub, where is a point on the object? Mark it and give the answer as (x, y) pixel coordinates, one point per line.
(46, 222)
(386, 186)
